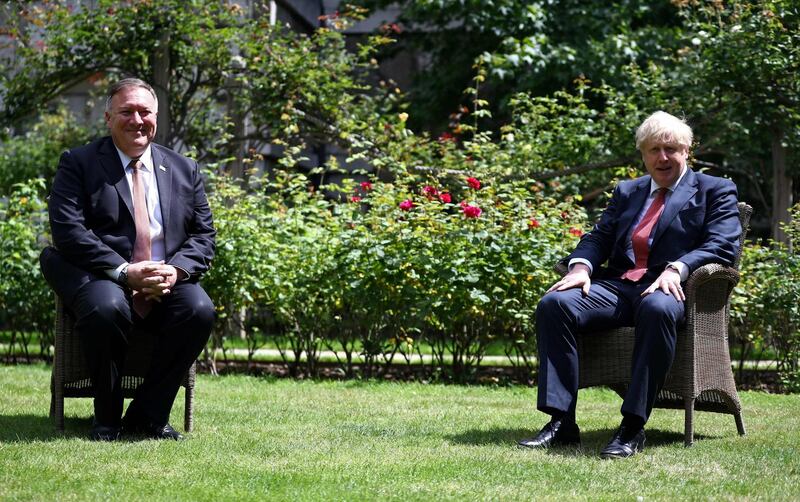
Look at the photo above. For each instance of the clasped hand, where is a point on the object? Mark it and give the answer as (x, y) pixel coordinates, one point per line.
(153, 278)
(669, 282)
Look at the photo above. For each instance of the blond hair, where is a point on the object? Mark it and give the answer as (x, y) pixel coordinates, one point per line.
(663, 127)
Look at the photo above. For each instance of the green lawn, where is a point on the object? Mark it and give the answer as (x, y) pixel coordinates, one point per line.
(259, 438)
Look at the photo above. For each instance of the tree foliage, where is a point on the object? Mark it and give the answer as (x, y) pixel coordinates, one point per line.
(224, 68)
(729, 67)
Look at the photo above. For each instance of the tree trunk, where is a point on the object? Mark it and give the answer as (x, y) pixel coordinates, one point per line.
(239, 124)
(161, 71)
(781, 188)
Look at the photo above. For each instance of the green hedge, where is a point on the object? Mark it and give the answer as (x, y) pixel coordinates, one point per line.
(765, 307)
(390, 272)
(26, 302)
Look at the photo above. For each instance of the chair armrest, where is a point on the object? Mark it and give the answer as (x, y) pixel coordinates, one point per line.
(707, 273)
(708, 291)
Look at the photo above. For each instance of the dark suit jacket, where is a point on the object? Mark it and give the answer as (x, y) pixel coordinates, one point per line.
(91, 216)
(699, 225)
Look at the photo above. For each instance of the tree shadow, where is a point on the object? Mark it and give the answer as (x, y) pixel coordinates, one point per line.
(27, 428)
(592, 441)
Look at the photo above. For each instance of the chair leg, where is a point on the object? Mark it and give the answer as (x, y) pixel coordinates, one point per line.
(688, 438)
(57, 397)
(57, 409)
(739, 423)
(188, 415)
(52, 397)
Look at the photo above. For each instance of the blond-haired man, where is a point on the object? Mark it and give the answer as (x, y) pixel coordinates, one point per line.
(628, 271)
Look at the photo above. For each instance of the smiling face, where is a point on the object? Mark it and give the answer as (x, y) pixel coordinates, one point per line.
(664, 160)
(132, 120)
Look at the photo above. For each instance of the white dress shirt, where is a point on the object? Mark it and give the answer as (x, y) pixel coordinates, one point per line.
(147, 173)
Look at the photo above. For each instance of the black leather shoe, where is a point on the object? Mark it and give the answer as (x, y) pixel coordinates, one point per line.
(166, 432)
(152, 431)
(104, 433)
(554, 433)
(625, 443)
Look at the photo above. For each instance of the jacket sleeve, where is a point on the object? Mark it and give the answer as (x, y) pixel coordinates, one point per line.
(719, 242)
(69, 208)
(596, 246)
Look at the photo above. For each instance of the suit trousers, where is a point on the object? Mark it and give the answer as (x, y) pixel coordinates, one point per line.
(611, 303)
(182, 323)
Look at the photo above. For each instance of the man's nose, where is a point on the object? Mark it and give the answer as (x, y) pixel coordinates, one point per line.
(136, 117)
(662, 154)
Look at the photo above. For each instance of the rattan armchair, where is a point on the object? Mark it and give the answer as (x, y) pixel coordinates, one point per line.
(71, 376)
(701, 377)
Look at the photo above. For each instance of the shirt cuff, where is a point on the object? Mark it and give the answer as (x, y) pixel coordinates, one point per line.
(682, 269)
(575, 261)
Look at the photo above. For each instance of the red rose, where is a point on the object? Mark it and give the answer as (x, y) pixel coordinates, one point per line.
(534, 223)
(446, 136)
(429, 191)
(471, 211)
(355, 198)
(577, 232)
(366, 186)
(406, 205)
(474, 183)
(445, 197)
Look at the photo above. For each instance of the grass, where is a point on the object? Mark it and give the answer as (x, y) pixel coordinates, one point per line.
(258, 438)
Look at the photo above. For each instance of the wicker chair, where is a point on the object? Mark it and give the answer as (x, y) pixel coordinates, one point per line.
(71, 376)
(701, 377)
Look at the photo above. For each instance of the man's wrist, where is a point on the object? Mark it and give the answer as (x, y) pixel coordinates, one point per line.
(122, 278)
(180, 274)
(580, 261)
(680, 268)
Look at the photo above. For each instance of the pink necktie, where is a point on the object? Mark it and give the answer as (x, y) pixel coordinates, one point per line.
(141, 246)
(641, 234)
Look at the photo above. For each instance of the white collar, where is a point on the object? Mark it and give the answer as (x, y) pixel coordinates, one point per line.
(146, 158)
(654, 186)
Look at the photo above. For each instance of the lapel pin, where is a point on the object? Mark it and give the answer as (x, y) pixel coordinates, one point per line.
(162, 168)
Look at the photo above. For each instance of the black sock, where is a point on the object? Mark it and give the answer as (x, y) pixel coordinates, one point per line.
(562, 416)
(632, 422)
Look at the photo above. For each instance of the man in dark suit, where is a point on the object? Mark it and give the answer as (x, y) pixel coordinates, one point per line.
(132, 233)
(656, 230)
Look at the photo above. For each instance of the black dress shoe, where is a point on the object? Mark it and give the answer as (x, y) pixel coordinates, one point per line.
(152, 431)
(104, 433)
(625, 443)
(166, 432)
(554, 433)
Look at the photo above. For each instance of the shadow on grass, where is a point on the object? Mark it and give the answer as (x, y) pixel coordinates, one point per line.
(28, 428)
(592, 441)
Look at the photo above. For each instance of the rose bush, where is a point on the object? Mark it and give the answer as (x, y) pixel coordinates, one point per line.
(446, 260)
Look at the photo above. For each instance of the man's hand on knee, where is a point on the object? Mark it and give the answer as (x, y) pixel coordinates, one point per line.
(669, 282)
(578, 277)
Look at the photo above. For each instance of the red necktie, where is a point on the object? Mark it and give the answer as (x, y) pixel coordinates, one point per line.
(141, 246)
(641, 234)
